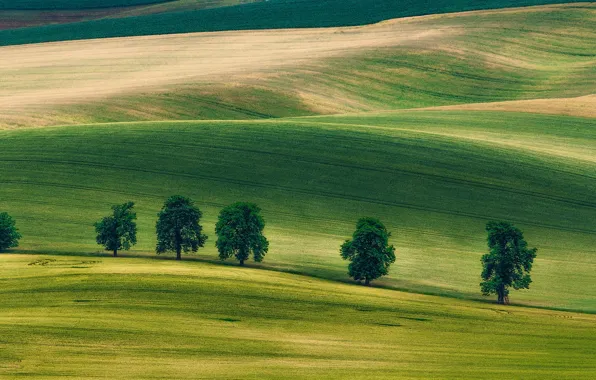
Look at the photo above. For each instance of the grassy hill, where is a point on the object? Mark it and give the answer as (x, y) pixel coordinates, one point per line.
(274, 14)
(435, 178)
(317, 127)
(478, 57)
(140, 318)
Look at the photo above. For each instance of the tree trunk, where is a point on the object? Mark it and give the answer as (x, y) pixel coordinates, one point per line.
(367, 282)
(178, 245)
(241, 263)
(115, 253)
(501, 295)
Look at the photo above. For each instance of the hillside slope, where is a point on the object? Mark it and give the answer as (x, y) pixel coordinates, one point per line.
(87, 317)
(541, 52)
(435, 178)
(274, 14)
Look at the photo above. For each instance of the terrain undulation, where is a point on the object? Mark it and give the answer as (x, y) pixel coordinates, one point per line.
(434, 124)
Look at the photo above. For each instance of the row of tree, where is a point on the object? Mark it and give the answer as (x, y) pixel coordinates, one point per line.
(239, 231)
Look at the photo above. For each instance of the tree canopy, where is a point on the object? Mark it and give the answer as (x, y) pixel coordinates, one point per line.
(508, 263)
(9, 235)
(119, 230)
(369, 251)
(178, 227)
(239, 232)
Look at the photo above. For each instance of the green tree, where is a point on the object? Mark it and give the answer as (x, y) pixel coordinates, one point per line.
(9, 235)
(178, 227)
(368, 251)
(508, 262)
(239, 232)
(119, 230)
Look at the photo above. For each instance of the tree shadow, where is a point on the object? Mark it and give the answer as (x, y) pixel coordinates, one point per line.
(330, 275)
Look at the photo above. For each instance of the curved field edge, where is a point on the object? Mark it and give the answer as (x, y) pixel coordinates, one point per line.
(476, 57)
(279, 14)
(140, 318)
(435, 178)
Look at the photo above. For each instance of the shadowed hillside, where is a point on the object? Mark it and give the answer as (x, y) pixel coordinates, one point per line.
(435, 178)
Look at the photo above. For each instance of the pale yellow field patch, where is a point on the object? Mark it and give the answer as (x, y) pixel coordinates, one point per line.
(584, 106)
(53, 83)
(79, 71)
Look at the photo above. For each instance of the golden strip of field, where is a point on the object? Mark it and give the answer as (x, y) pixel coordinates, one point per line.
(40, 83)
(58, 73)
(584, 106)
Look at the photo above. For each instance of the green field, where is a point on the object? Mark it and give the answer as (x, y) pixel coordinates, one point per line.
(273, 14)
(90, 317)
(435, 178)
(413, 121)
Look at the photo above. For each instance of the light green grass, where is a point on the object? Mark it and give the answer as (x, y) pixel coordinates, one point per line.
(435, 179)
(98, 318)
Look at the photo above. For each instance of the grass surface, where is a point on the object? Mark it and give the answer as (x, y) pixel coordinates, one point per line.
(273, 14)
(141, 318)
(434, 178)
(541, 52)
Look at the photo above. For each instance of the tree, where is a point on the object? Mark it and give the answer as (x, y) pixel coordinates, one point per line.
(508, 262)
(9, 235)
(239, 232)
(368, 251)
(119, 230)
(178, 227)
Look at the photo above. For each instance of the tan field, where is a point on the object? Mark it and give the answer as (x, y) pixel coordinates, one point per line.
(584, 106)
(65, 72)
(397, 64)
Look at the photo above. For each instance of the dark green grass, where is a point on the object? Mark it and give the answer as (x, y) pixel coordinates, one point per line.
(139, 318)
(71, 4)
(435, 178)
(272, 14)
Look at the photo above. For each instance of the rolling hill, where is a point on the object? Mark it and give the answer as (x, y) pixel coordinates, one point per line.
(434, 177)
(477, 57)
(435, 124)
(273, 14)
(140, 318)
